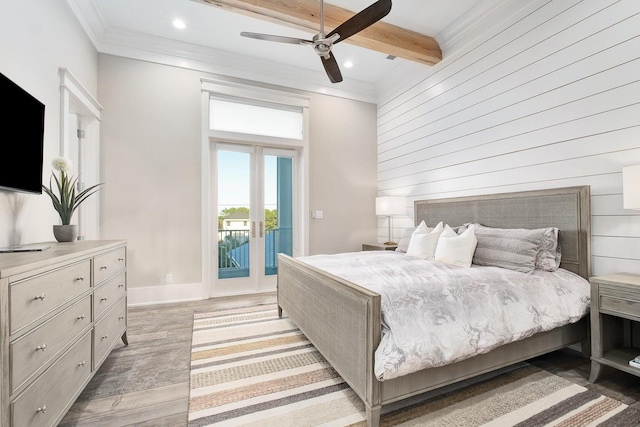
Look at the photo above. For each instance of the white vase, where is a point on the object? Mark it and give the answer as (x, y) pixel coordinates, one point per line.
(65, 233)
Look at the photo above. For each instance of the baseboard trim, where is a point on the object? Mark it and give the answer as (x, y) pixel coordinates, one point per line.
(166, 294)
(184, 292)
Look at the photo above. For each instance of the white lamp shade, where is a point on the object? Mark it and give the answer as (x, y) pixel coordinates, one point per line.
(390, 205)
(631, 187)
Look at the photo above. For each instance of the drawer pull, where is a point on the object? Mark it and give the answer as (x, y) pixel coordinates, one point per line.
(120, 259)
(42, 347)
(40, 297)
(42, 410)
(104, 337)
(81, 363)
(121, 285)
(104, 267)
(80, 279)
(81, 317)
(121, 317)
(103, 299)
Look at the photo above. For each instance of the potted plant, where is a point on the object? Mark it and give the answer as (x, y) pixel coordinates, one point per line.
(66, 201)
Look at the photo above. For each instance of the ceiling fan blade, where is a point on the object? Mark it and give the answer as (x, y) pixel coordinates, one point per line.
(280, 39)
(331, 67)
(362, 20)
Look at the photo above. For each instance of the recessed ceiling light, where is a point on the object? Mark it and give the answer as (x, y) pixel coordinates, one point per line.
(348, 64)
(179, 23)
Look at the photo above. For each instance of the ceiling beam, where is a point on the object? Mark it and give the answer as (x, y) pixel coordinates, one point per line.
(305, 15)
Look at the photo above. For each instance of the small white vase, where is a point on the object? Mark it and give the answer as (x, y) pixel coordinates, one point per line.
(65, 233)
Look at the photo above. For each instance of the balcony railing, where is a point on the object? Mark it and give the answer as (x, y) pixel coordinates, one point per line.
(233, 252)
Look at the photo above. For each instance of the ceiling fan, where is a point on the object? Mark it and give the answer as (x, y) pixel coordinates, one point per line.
(322, 43)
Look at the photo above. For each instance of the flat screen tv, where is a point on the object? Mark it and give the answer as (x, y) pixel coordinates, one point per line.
(22, 127)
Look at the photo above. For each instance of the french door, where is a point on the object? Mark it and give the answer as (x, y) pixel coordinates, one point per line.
(255, 207)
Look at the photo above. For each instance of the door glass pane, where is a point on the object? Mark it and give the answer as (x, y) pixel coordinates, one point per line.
(234, 226)
(278, 213)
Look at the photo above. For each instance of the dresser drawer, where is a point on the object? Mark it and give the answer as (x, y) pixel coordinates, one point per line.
(37, 348)
(108, 265)
(46, 400)
(108, 330)
(33, 298)
(108, 293)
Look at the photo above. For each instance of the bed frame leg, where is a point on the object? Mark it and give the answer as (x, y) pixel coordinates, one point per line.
(585, 345)
(373, 416)
(280, 312)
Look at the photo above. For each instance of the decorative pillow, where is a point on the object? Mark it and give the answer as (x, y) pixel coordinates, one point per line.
(403, 244)
(549, 255)
(456, 249)
(512, 248)
(422, 228)
(423, 245)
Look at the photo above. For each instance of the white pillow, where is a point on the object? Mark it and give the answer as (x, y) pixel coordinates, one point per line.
(456, 249)
(422, 228)
(423, 244)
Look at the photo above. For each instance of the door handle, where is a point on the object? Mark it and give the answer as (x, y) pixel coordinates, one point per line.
(253, 229)
(261, 229)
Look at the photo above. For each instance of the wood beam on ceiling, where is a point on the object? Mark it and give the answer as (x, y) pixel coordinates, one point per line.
(305, 15)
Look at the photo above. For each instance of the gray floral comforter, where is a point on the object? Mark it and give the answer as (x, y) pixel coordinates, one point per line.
(434, 314)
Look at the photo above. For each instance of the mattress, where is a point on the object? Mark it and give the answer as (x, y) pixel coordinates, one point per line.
(434, 314)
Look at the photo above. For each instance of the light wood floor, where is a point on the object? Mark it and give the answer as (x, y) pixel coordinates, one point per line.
(147, 382)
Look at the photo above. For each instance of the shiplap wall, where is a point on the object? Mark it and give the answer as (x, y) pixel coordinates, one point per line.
(548, 98)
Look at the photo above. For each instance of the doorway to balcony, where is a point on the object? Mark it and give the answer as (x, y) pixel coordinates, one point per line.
(255, 187)
(255, 206)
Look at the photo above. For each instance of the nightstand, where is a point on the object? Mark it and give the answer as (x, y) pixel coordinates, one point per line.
(615, 322)
(378, 247)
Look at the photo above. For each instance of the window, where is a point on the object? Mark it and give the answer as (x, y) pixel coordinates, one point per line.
(255, 118)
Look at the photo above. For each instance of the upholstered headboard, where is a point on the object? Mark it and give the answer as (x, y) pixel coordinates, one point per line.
(567, 208)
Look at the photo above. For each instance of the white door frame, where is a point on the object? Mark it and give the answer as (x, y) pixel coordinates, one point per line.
(80, 111)
(209, 160)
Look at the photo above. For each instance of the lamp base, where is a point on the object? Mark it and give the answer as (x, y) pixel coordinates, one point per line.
(390, 243)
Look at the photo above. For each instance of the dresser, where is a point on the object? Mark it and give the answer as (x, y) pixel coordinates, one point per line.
(62, 310)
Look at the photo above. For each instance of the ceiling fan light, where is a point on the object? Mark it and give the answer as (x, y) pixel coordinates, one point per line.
(348, 64)
(179, 24)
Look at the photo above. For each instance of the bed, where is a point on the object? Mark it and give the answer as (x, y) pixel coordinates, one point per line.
(344, 320)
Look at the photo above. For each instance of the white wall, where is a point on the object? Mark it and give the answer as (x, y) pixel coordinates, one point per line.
(549, 98)
(342, 174)
(36, 38)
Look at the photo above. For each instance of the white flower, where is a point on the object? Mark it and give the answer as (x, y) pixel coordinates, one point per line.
(62, 164)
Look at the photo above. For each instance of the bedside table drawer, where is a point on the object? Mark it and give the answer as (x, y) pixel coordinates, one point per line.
(626, 307)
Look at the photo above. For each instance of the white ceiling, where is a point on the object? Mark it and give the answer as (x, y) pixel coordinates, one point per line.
(134, 23)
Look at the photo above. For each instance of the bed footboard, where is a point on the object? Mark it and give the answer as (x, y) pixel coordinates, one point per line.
(341, 319)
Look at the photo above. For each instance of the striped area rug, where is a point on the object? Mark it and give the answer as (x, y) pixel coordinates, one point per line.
(251, 368)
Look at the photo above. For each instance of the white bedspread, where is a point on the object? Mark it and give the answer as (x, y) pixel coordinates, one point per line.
(434, 314)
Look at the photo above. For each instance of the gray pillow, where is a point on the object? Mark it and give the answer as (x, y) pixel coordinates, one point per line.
(549, 256)
(512, 248)
(403, 244)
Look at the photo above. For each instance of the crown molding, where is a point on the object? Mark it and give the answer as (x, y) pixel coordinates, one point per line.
(160, 50)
